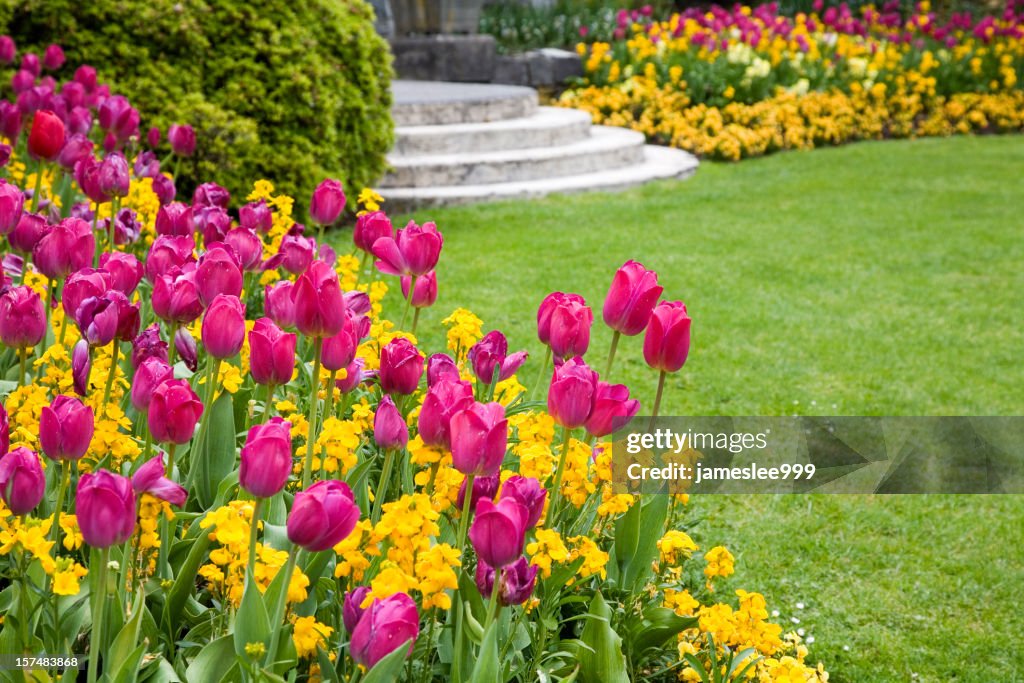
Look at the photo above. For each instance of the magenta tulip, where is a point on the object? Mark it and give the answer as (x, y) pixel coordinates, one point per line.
(107, 317)
(444, 398)
(547, 308)
(81, 285)
(340, 349)
(389, 428)
(357, 302)
(256, 216)
(218, 272)
(175, 219)
(185, 345)
(517, 581)
(247, 245)
(163, 188)
(296, 253)
(224, 326)
(529, 492)
(278, 303)
(570, 328)
(631, 298)
(22, 483)
(150, 479)
(150, 373)
(5, 430)
(499, 531)
(87, 175)
(322, 516)
(125, 271)
(490, 360)
(213, 223)
(425, 293)
(176, 297)
(167, 253)
(401, 366)
(667, 342)
(266, 459)
(318, 304)
(385, 626)
(572, 393)
(8, 50)
(441, 366)
(483, 487)
(327, 202)
(182, 139)
(479, 438)
(413, 251)
(211, 194)
(76, 148)
(46, 137)
(27, 233)
(105, 508)
(148, 344)
(114, 178)
(354, 376)
(174, 411)
(66, 247)
(53, 58)
(371, 227)
(22, 317)
(81, 364)
(271, 353)
(352, 608)
(12, 205)
(117, 116)
(65, 428)
(153, 137)
(613, 409)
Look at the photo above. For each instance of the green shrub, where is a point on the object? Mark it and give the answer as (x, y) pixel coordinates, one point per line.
(278, 89)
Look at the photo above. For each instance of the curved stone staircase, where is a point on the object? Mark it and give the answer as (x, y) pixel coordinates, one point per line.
(458, 143)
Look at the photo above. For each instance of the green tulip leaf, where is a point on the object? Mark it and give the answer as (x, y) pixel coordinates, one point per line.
(217, 457)
(602, 660)
(214, 661)
(252, 624)
(126, 640)
(486, 669)
(388, 669)
(185, 581)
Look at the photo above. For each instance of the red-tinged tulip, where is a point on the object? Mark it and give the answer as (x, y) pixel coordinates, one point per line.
(125, 271)
(5, 430)
(571, 321)
(322, 516)
(266, 459)
(65, 428)
(247, 245)
(613, 409)
(667, 342)
(529, 492)
(296, 253)
(371, 227)
(444, 398)
(483, 487)
(354, 376)
(413, 251)
(327, 202)
(490, 360)
(8, 50)
(185, 345)
(150, 373)
(174, 411)
(46, 137)
(28, 232)
(211, 194)
(153, 137)
(572, 393)
(389, 428)
(352, 608)
(631, 298)
(12, 205)
(87, 175)
(150, 479)
(175, 219)
(53, 58)
(441, 366)
(114, 179)
(105, 508)
(357, 302)
(401, 366)
(256, 216)
(164, 189)
(499, 531)
(22, 317)
(385, 626)
(479, 439)
(167, 254)
(148, 344)
(547, 308)
(278, 303)
(22, 483)
(224, 326)
(76, 148)
(271, 353)
(517, 581)
(218, 272)
(182, 139)
(81, 364)
(339, 349)
(118, 117)
(66, 247)
(318, 304)
(425, 293)
(81, 285)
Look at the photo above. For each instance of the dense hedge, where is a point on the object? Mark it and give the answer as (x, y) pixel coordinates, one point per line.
(279, 89)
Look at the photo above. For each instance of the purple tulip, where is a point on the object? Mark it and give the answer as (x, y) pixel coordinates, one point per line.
(318, 304)
(107, 317)
(66, 247)
(26, 235)
(150, 479)
(389, 428)
(247, 245)
(125, 271)
(8, 50)
(148, 344)
(22, 483)
(210, 194)
(30, 62)
(218, 273)
(490, 360)
(529, 492)
(185, 345)
(86, 75)
(117, 116)
(479, 438)
(146, 165)
(105, 507)
(164, 189)
(613, 409)
(182, 139)
(22, 317)
(498, 531)
(76, 148)
(271, 353)
(483, 487)
(256, 216)
(517, 581)
(21, 81)
(79, 121)
(572, 393)
(278, 303)
(441, 366)
(322, 516)
(413, 251)
(65, 428)
(352, 609)
(150, 373)
(327, 202)
(266, 459)
(168, 253)
(174, 411)
(384, 627)
(339, 349)
(357, 302)
(371, 227)
(81, 285)
(401, 366)
(547, 308)
(175, 219)
(87, 175)
(354, 376)
(12, 205)
(667, 342)
(81, 364)
(114, 179)
(5, 154)
(631, 298)
(444, 398)
(10, 120)
(424, 294)
(224, 326)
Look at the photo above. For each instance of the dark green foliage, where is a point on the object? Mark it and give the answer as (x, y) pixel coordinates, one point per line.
(277, 89)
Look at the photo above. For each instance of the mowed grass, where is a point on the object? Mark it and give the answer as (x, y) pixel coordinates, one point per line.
(872, 279)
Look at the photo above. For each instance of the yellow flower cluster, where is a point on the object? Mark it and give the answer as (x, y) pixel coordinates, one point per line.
(464, 330)
(720, 563)
(675, 546)
(308, 635)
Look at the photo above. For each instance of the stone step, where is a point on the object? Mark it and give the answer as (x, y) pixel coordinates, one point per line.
(606, 148)
(548, 126)
(429, 103)
(657, 163)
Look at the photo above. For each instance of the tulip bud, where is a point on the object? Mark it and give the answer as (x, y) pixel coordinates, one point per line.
(256, 216)
(105, 508)
(631, 298)
(46, 137)
(444, 398)
(175, 219)
(389, 428)
(125, 271)
(318, 305)
(153, 137)
(530, 494)
(517, 581)
(371, 227)
(401, 366)
(53, 58)
(182, 139)
(66, 247)
(65, 428)
(352, 609)
(441, 366)
(490, 360)
(278, 303)
(498, 531)
(271, 353)
(113, 178)
(327, 202)
(81, 364)
(174, 411)
(339, 350)
(218, 273)
(210, 194)
(479, 439)
(12, 205)
(22, 483)
(383, 628)
(266, 459)
(483, 487)
(572, 393)
(322, 516)
(150, 479)
(22, 317)
(425, 293)
(150, 373)
(185, 345)
(224, 326)
(413, 251)
(667, 342)
(613, 409)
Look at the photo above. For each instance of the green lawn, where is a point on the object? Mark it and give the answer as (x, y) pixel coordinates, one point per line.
(878, 278)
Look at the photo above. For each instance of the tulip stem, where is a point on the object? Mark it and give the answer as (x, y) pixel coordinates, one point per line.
(314, 402)
(556, 493)
(282, 597)
(98, 613)
(408, 301)
(328, 412)
(113, 221)
(95, 223)
(543, 367)
(38, 187)
(171, 447)
(110, 378)
(268, 402)
(46, 317)
(65, 482)
(415, 319)
(257, 508)
(382, 487)
(657, 399)
(493, 607)
(22, 357)
(467, 507)
(611, 354)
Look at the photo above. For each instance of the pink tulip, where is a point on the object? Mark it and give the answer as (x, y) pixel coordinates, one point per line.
(354, 376)
(517, 581)
(148, 344)
(483, 487)
(175, 219)
(352, 609)
(185, 345)
(631, 298)
(213, 223)
(256, 216)
(322, 516)
(87, 175)
(385, 626)
(163, 188)
(117, 116)
(114, 179)
(371, 227)
(107, 317)
(81, 364)
(176, 296)
(218, 272)
(174, 411)
(150, 479)
(12, 205)
(401, 366)
(357, 302)
(151, 373)
(570, 328)
(224, 326)
(105, 508)
(153, 137)
(319, 307)
(547, 308)
(389, 428)
(271, 353)
(8, 50)
(65, 428)
(266, 459)
(613, 409)
(339, 350)
(5, 430)
(53, 58)
(296, 253)
(529, 492)
(167, 253)
(22, 483)
(667, 342)
(27, 233)
(278, 303)
(413, 251)
(572, 393)
(446, 397)
(211, 194)
(327, 202)
(22, 317)
(81, 285)
(76, 148)
(490, 360)
(479, 439)
(182, 139)
(247, 245)
(498, 531)
(65, 248)
(125, 271)
(425, 293)
(441, 366)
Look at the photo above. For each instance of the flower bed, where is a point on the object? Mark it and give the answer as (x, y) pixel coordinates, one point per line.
(224, 459)
(730, 84)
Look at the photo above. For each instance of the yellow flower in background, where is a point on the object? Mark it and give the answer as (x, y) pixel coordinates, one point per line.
(436, 575)
(547, 550)
(719, 564)
(308, 635)
(675, 546)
